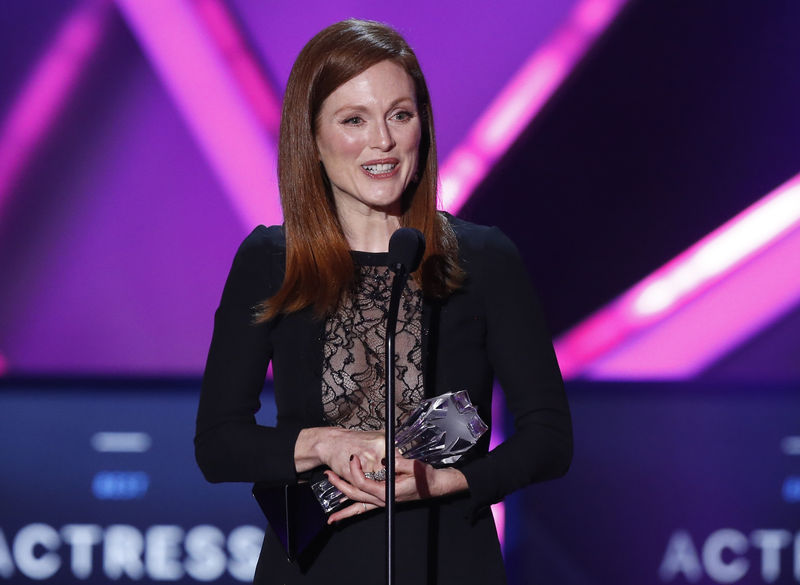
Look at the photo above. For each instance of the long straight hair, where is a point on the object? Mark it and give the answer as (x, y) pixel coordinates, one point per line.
(319, 267)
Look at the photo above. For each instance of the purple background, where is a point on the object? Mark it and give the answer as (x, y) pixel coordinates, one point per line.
(116, 241)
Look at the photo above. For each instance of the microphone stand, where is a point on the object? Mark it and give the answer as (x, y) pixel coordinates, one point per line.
(398, 283)
(406, 247)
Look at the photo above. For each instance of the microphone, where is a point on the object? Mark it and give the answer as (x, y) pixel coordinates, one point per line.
(406, 248)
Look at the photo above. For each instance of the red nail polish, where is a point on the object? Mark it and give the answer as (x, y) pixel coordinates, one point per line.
(351, 456)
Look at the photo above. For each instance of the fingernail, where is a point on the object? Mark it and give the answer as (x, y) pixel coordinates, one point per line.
(351, 456)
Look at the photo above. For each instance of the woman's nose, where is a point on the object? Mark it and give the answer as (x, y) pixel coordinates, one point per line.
(382, 136)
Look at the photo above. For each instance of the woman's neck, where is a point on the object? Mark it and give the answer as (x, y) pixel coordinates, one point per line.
(369, 232)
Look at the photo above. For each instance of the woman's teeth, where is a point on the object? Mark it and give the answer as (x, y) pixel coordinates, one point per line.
(379, 169)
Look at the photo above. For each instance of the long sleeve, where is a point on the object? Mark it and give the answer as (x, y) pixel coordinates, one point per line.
(229, 445)
(521, 354)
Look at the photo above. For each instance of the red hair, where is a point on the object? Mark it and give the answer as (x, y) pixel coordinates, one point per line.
(319, 267)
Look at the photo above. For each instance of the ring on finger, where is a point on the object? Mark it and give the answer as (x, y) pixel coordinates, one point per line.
(379, 475)
(365, 505)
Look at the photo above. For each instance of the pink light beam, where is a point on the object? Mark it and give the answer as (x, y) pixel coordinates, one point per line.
(242, 63)
(197, 76)
(47, 89)
(522, 99)
(700, 305)
(497, 437)
(44, 94)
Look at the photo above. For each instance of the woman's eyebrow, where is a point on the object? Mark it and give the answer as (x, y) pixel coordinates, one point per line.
(363, 108)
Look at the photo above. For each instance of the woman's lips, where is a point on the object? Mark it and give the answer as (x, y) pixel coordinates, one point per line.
(381, 169)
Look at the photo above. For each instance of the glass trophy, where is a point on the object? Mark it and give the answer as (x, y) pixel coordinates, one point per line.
(439, 431)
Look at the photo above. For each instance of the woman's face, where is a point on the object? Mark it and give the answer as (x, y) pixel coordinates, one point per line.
(368, 134)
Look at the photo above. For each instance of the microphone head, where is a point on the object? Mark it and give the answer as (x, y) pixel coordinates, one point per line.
(406, 247)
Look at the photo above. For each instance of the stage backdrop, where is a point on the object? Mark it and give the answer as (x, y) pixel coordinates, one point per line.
(671, 484)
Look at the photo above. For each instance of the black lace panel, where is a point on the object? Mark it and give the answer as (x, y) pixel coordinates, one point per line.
(353, 378)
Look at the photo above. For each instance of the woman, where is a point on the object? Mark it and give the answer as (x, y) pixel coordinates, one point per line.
(357, 161)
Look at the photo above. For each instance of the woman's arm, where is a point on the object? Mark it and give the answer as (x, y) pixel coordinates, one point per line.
(333, 446)
(520, 350)
(229, 445)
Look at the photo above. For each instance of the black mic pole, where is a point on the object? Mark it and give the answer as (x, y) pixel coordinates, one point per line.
(405, 252)
(391, 325)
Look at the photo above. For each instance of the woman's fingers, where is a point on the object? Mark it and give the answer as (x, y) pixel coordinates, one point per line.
(356, 475)
(403, 466)
(361, 490)
(366, 494)
(353, 509)
(414, 481)
(376, 489)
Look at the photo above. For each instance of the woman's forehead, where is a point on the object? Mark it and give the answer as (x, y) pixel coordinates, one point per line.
(383, 84)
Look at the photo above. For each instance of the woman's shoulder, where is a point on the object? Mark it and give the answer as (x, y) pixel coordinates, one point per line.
(264, 241)
(263, 249)
(479, 239)
(266, 238)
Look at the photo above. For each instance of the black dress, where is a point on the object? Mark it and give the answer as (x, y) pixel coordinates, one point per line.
(491, 327)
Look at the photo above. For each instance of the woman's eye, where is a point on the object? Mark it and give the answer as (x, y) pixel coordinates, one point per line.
(352, 121)
(402, 116)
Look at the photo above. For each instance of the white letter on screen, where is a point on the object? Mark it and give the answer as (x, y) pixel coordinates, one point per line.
(81, 537)
(680, 558)
(244, 545)
(771, 542)
(6, 563)
(122, 552)
(162, 553)
(206, 557)
(33, 567)
(718, 569)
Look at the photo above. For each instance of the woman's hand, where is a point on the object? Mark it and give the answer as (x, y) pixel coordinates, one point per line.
(366, 494)
(335, 448)
(414, 480)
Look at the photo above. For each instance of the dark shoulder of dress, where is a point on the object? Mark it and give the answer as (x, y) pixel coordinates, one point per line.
(353, 379)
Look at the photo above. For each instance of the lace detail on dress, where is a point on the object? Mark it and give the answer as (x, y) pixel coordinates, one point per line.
(353, 376)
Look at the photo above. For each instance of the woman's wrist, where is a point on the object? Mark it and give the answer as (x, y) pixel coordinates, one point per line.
(310, 447)
(449, 480)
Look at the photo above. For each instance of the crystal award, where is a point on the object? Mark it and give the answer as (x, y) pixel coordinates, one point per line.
(439, 431)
